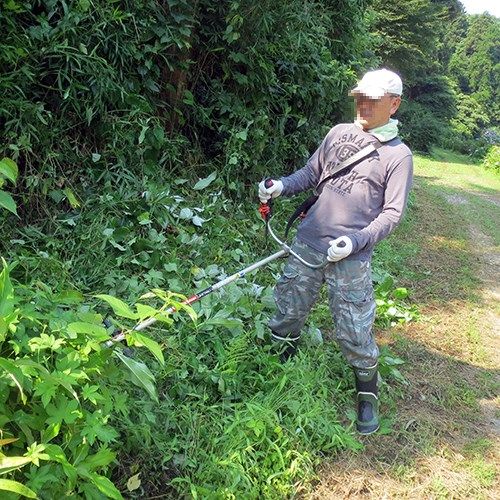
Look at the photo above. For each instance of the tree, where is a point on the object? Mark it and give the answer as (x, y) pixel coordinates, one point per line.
(405, 35)
(475, 64)
(408, 39)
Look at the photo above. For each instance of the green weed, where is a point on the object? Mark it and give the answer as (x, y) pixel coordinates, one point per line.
(478, 447)
(59, 387)
(229, 417)
(483, 472)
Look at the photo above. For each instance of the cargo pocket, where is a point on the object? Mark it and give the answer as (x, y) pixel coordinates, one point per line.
(355, 313)
(284, 290)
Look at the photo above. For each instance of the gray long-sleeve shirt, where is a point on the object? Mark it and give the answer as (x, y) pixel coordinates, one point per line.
(365, 202)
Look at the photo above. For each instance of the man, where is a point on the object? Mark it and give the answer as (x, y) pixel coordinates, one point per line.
(356, 209)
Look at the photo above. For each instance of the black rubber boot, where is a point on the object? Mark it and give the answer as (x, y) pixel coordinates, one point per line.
(289, 351)
(367, 399)
(286, 346)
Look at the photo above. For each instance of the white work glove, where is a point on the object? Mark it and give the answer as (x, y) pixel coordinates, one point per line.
(271, 192)
(339, 249)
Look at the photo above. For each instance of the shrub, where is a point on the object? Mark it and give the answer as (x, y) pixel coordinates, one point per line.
(94, 91)
(60, 390)
(420, 129)
(476, 148)
(492, 159)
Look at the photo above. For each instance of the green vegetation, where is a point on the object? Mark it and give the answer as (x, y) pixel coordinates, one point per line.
(59, 388)
(228, 416)
(492, 159)
(8, 172)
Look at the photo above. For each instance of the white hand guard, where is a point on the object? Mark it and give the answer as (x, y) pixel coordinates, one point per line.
(271, 192)
(339, 249)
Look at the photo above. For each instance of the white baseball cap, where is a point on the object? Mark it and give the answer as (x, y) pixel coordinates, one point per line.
(377, 83)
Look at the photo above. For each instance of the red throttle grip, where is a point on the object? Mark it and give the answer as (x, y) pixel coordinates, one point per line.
(265, 209)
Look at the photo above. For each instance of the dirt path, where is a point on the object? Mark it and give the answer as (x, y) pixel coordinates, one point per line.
(445, 442)
(489, 272)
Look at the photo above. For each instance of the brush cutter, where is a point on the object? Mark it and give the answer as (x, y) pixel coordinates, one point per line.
(265, 210)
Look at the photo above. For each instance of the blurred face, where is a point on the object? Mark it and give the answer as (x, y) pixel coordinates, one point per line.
(372, 113)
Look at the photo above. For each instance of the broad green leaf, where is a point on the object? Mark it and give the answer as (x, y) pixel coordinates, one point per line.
(33, 365)
(69, 297)
(95, 331)
(179, 306)
(3, 329)
(142, 135)
(96, 428)
(63, 411)
(7, 202)
(400, 293)
(71, 198)
(203, 183)
(104, 485)
(56, 454)
(8, 168)
(242, 135)
(119, 307)
(15, 374)
(188, 98)
(159, 134)
(142, 340)
(15, 487)
(8, 464)
(144, 311)
(91, 393)
(141, 375)
(57, 378)
(6, 292)
(102, 458)
(51, 432)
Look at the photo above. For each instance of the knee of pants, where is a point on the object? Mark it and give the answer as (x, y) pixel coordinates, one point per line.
(286, 327)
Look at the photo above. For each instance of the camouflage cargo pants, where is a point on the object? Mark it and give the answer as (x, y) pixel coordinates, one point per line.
(351, 302)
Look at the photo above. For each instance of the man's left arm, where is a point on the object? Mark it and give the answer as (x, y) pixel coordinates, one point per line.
(398, 186)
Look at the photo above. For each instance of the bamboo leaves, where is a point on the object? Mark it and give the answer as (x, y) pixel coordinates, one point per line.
(8, 171)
